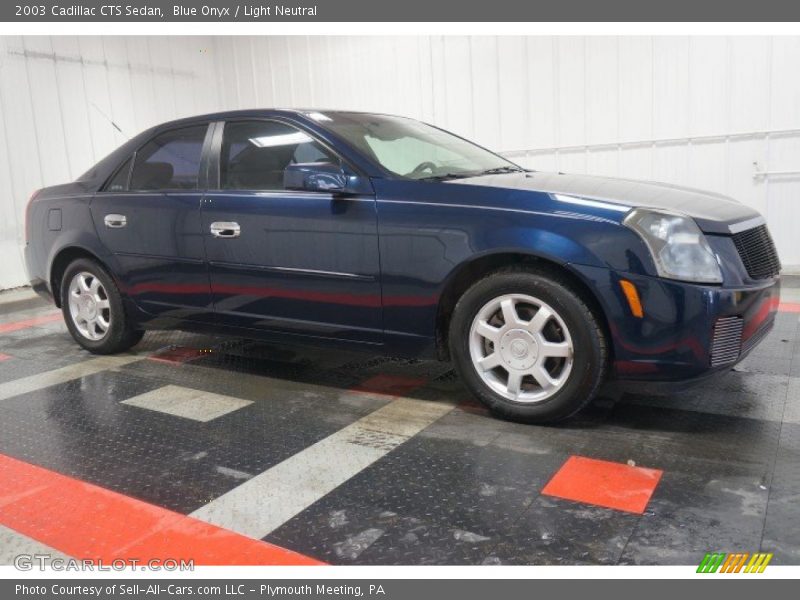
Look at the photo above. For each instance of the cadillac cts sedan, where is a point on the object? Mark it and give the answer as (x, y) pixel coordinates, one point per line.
(386, 234)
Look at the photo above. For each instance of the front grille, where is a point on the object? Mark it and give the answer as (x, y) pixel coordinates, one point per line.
(727, 340)
(758, 252)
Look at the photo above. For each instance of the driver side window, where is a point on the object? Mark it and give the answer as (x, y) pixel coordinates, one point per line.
(255, 154)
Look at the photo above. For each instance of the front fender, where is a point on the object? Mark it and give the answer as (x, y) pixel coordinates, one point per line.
(424, 242)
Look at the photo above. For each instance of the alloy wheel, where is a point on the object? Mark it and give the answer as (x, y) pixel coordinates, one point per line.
(521, 348)
(89, 306)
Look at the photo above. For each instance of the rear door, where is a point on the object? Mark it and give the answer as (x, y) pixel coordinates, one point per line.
(295, 262)
(148, 216)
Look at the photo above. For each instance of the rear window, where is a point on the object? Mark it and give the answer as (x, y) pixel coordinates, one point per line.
(170, 161)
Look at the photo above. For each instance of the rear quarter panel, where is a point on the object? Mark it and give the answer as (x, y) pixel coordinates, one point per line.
(48, 235)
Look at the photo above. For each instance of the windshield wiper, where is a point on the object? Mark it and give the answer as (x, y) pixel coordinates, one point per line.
(464, 175)
(446, 176)
(499, 170)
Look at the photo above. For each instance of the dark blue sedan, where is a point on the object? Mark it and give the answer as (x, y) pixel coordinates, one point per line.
(389, 235)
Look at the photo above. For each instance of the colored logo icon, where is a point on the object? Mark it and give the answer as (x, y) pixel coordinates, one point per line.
(742, 562)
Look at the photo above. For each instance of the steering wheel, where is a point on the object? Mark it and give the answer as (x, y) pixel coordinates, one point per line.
(423, 166)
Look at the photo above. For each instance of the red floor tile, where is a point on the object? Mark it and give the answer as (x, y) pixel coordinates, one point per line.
(603, 483)
(86, 521)
(33, 322)
(391, 385)
(178, 355)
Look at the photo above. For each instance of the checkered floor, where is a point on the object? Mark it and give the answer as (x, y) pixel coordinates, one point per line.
(295, 455)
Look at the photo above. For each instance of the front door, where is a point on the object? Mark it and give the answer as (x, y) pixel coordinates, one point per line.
(148, 217)
(286, 261)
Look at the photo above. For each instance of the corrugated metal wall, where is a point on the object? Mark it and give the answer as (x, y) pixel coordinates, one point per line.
(59, 97)
(701, 111)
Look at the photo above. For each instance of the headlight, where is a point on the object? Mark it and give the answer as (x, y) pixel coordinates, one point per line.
(679, 248)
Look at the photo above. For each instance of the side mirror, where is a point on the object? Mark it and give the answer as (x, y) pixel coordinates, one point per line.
(315, 177)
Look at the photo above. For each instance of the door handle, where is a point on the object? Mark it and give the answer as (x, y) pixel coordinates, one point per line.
(225, 229)
(115, 221)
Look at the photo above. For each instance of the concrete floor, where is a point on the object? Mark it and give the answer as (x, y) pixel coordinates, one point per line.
(354, 459)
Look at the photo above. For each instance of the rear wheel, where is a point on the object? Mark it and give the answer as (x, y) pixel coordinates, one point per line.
(527, 346)
(93, 309)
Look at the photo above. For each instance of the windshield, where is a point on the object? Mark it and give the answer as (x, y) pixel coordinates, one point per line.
(411, 149)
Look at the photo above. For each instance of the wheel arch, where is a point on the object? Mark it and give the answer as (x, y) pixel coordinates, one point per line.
(61, 261)
(472, 271)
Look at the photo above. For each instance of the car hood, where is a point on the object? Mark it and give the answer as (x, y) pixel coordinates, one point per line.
(714, 213)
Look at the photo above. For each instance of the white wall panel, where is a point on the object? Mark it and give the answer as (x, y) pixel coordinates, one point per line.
(10, 186)
(602, 90)
(749, 83)
(98, 95)
(457, 82)
(707, 103)
(485, 81)
(227, 76)
(59, 97)
(120, 90)
(46, 107)
(262, 73)
(782, 193)
(742, 153)
(513, 93)
(242, 57)
(670, 77)
(23, 156)
(300, 62)
(707, 164)
(543, 123)
(629, 106)
(635, 71)
(572, 161)
(603, 161)
(425, 81)
(670, 163)
(143, 93)
(570, 88)
(70, 91)
(318, 67)
(784, 108)
(636, 162)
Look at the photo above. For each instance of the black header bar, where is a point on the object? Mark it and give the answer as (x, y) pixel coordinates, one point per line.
(149, 11)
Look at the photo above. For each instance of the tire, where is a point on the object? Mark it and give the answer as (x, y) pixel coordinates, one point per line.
(94, 311)
(543, 367)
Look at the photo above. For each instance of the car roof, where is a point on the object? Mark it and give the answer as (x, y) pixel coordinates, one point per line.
(263, 112)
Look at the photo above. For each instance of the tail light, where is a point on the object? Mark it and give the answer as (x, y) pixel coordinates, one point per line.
(28, 215)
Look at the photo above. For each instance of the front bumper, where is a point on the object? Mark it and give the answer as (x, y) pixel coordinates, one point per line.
(688, 331)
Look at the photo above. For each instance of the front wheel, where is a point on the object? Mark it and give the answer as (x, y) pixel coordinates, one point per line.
(93, 309)
(527, 346)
